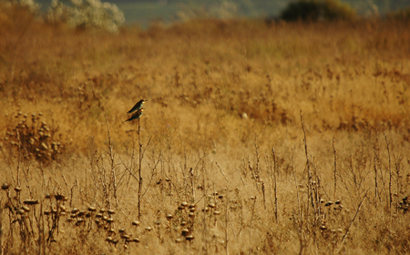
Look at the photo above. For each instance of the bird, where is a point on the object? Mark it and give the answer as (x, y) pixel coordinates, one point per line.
(137, 106)
(135, 115)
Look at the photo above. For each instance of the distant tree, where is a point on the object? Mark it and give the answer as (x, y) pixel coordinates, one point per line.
(314, 10)
(86, 14)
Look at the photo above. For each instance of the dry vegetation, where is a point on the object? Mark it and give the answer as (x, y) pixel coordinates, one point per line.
(332, 100)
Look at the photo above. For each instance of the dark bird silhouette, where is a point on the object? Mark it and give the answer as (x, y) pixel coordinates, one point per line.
(135, 116)
(137, 106)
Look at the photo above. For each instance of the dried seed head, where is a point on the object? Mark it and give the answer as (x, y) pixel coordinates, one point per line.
(63, 208)
(102, 210)
(110, 220)
(192, 206)
(98, 215)
(136, 223)
(92, 209)
(169, 216)
(136, 240)
(30, 202)
(74, 210)
(125, 246)
(329, 203)
(25, 208)
(185, 231)
(180, 207)
(5, 186)
(191, 215)
(337, 202)
(121, 230)
(322, 227)
(189, 237)
(212, 205)
(217, 212)
(44, 146)
(48, 196)
(47, 212)
(109, 239)
(59, 197)
(183, 223)
(178, 240)
(81, 213)
(148, 228)
(111, 211)
(62, 213)
(17, 189)
(184, 204)
(20, 211)
(126, 237)
(111, 230)
(115, 241)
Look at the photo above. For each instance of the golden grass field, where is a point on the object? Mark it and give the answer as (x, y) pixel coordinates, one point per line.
(332, 99)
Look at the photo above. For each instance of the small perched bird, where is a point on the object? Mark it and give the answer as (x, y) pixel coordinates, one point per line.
(136, 115)
(137, 106)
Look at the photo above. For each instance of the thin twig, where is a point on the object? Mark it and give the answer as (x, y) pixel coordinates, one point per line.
(351, 223)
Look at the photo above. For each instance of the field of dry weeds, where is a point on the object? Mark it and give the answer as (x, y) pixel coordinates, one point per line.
(255, 138)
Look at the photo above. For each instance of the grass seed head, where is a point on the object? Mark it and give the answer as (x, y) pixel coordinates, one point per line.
(126, 237)
(5, 186)
(185, 231)
(136, 223)
(30, 202)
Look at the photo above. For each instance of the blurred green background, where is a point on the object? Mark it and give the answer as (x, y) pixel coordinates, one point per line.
(143, 12)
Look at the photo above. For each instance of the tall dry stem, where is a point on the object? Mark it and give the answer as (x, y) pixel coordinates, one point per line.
(390, 173)
(139, 169)
(335, 167)
(275, 184)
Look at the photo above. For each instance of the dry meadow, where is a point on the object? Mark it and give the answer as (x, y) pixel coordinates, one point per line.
(255, 138)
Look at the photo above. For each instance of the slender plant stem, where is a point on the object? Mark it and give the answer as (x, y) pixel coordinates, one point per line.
(139, 170)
